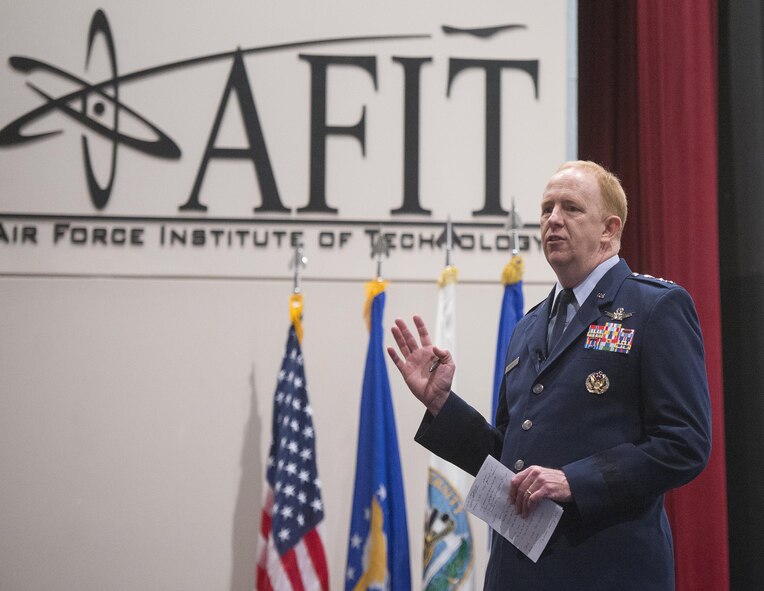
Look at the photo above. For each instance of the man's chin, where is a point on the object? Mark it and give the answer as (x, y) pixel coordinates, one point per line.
(560, 263)
(556, 257)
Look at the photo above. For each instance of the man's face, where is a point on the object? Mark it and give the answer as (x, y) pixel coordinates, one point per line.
(572, 225)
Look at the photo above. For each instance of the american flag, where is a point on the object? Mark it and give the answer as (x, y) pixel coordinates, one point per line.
(291, 551)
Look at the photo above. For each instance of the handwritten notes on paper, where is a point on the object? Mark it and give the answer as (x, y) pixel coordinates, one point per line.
(488, 499)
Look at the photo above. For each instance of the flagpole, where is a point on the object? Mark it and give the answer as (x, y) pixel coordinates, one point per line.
(380, 247)
(449, 241)
(378, 554)
(512, 306)
(514, 224)
(290, 529)
(448, 561)
(299, 261)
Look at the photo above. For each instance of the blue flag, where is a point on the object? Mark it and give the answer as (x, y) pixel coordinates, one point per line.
(378, 550)
(511, 312)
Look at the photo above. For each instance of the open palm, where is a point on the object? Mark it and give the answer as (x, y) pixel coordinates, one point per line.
(427, 370)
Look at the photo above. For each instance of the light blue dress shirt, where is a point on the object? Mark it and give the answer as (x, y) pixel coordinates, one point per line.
(581, 291)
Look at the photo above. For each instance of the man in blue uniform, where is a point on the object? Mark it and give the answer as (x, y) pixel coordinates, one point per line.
(604, 402)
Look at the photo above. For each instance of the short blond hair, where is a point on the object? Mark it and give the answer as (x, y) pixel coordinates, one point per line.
(613, 196)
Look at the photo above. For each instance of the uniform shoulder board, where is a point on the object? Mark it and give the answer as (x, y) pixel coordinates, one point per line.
(653, 280)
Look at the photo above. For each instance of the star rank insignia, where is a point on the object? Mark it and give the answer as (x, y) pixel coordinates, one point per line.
(619, 315)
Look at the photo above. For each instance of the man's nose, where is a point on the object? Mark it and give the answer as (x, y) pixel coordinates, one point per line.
(555, 218)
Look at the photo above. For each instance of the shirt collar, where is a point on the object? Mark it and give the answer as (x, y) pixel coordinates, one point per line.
(583, 289)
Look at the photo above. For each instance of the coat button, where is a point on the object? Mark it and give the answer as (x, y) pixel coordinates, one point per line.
(538, 388)
(527, 424)
(519, 464)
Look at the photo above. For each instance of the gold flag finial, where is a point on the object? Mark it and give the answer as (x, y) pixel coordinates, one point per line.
(373, 289)
(295, 313)
(513, 270)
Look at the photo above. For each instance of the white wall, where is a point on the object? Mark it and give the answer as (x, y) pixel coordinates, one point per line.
(135, 419)
(136, 383)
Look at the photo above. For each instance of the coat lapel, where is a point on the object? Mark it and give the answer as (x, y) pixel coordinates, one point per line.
(590, 311)
(538, 329)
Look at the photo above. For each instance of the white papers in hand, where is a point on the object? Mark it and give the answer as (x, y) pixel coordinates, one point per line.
(488, 499)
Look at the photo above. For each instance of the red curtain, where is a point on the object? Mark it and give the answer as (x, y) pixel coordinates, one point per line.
(648, 111)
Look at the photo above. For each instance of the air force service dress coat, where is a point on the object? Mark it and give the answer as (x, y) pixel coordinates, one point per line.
(640, 428)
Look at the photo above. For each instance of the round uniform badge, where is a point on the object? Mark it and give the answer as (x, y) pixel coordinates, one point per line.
(597, 383)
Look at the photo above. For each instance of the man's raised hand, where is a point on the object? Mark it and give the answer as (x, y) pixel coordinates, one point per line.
(427, 370)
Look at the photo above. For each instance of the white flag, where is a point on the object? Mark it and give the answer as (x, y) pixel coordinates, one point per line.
(449, 554)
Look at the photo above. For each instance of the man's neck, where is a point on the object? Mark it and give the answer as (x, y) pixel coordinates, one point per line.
(583, 288)
(571, 278)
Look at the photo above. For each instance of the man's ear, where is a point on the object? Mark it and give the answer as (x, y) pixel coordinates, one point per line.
(612, 228)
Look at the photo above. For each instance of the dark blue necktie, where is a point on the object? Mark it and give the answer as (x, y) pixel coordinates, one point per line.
(563, 301)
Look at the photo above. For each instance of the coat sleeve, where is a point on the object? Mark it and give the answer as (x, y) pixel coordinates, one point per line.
(459, 434)
(675, 406)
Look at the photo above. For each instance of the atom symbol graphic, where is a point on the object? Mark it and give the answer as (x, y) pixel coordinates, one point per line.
(13, 133)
